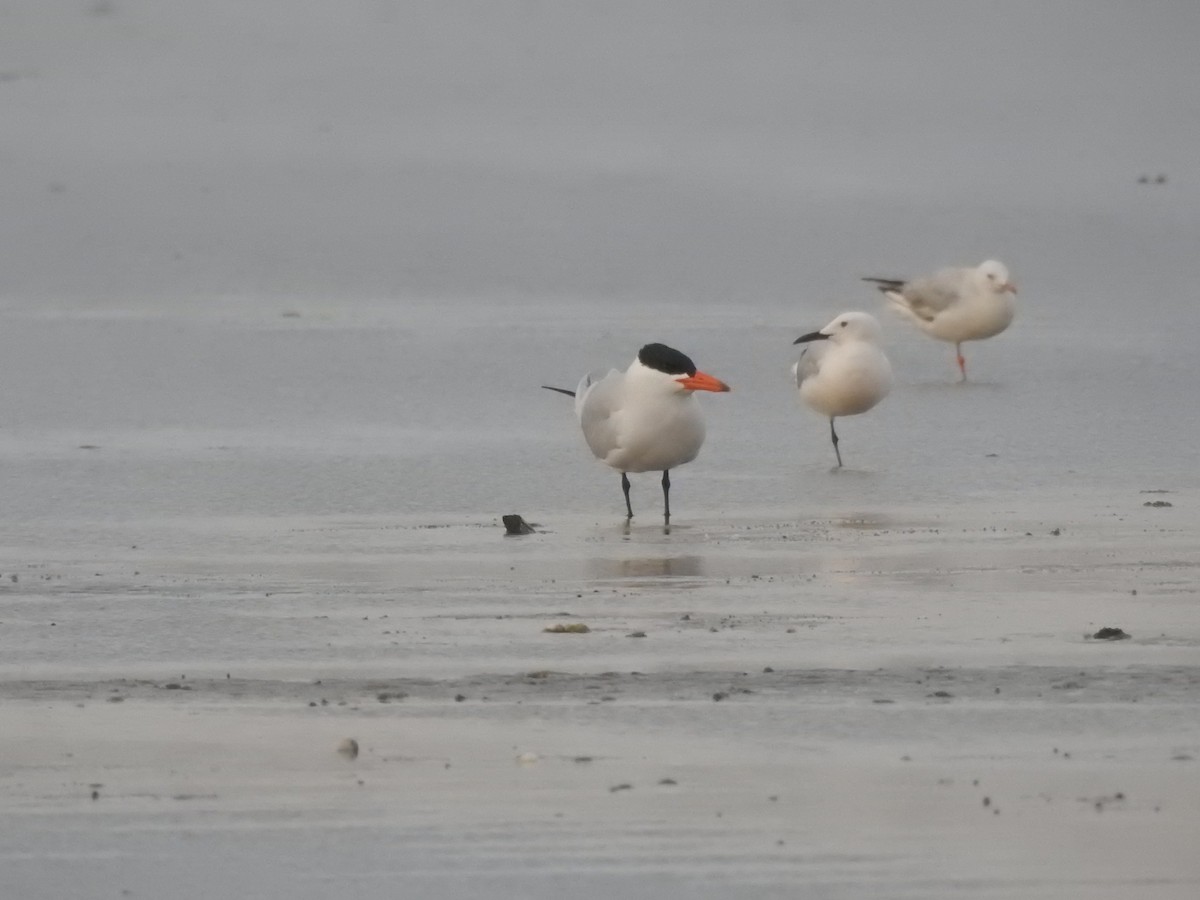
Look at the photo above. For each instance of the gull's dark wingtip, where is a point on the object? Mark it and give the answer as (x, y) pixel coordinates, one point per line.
(886, 284)
(560, 390)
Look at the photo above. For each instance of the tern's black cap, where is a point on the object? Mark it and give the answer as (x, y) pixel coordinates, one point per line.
(666, 359)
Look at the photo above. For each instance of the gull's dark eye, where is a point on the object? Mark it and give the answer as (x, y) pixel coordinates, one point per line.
(844, 323)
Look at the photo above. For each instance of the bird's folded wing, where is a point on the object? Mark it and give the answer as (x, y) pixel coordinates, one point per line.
(809, 362)
(597, 400)
(931, 295)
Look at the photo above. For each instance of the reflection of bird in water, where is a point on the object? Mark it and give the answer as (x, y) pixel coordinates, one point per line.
(843, 371)
(956, 305)
(647, 567)
(645, 419)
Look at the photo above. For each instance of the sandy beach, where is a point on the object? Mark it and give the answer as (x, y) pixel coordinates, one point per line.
(841, 707)
(279, 287)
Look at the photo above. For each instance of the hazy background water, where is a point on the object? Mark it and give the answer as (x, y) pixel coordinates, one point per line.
(312, 258)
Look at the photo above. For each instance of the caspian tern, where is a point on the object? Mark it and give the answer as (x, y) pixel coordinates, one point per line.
(645, 419)
(956, 305)
(847, 373)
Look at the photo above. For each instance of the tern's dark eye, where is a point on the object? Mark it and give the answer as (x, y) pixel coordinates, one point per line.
(843, 323)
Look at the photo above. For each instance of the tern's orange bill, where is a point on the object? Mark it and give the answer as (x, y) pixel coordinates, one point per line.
(702, 381)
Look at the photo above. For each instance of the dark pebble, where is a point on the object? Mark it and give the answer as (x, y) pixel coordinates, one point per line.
(514, 524)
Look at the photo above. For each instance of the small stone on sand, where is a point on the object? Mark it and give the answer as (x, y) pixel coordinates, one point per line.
(514, 524)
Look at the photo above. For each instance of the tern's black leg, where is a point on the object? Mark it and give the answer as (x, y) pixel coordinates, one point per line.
(835, 442)
(666, 496)
(625, 488)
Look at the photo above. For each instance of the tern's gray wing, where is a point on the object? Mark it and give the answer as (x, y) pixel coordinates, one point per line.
(595, 402)
(935, 293)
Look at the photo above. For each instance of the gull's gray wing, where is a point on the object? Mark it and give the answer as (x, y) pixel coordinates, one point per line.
(935, 293)
(809, 363)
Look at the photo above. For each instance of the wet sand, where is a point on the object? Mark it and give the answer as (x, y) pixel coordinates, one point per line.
(214, 575)
(901, 708)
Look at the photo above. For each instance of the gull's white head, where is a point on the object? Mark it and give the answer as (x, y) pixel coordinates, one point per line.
(996, 275)
(848, 327)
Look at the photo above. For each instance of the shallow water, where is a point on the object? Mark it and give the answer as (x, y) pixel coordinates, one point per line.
(372, 413)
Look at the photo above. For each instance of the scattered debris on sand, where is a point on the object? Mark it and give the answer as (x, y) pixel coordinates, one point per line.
(573, 628)
(1098, 803)
(348, 748)
(1110, 634)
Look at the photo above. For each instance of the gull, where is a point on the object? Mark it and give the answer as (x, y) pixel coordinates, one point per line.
(847, 373)
(956, 305)
(647, 418)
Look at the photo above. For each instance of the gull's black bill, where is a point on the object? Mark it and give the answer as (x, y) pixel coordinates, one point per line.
(811, 336)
